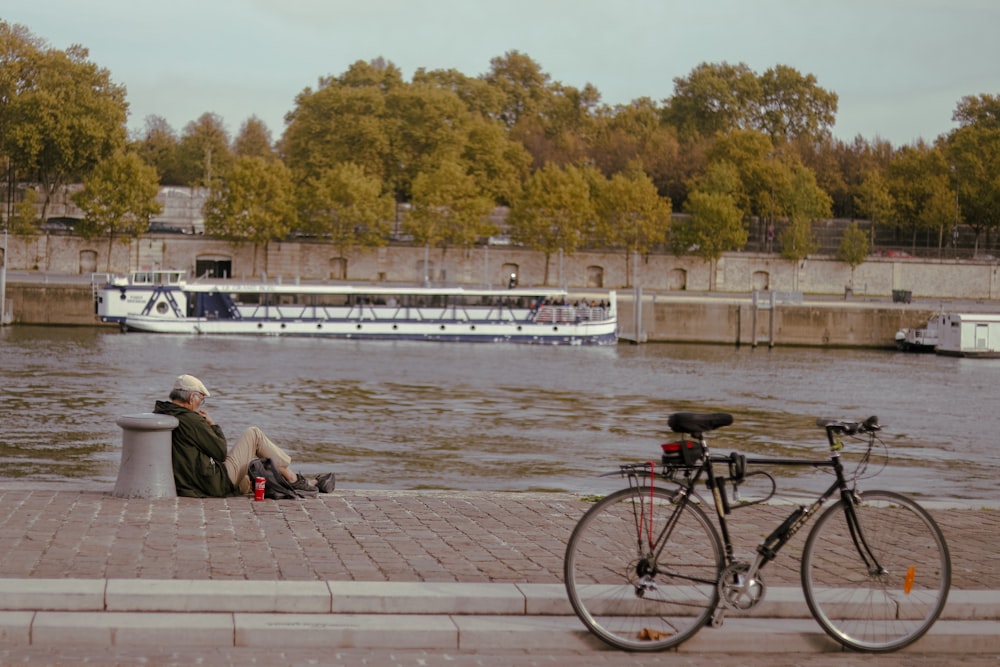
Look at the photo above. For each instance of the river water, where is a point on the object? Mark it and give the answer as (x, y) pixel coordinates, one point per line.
(401, 415)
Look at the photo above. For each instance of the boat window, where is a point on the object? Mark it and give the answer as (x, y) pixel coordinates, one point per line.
(331, 299)
(245, 297)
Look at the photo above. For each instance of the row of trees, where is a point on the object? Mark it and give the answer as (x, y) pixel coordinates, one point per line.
(730, 146)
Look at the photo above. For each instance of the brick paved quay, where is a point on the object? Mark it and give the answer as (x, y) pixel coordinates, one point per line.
(59, 534)
(362, 535)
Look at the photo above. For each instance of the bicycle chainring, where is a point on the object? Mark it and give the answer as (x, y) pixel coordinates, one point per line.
(737, 590)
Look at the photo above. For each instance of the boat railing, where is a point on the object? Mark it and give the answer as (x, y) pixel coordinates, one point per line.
(570, 314)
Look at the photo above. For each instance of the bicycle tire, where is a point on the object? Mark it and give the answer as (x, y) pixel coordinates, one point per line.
(876, 612)
(602, 563)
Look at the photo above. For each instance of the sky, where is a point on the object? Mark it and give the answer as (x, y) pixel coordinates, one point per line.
(899, 67)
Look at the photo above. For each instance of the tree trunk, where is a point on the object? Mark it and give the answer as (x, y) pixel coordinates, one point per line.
(111, 245)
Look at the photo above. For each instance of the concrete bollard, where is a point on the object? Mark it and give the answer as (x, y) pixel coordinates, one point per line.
(146, 470)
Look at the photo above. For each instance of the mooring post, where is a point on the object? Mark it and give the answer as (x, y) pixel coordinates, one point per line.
(146, 469)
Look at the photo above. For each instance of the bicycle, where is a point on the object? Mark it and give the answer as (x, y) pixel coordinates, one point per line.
(645, 568)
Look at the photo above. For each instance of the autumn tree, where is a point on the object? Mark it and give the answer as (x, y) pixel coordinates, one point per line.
(203, 151)
(760, 168)
(853, 247)
(158, 147)
(631, 214)
(973, 154)
(252, 201)
(118, 199)
(426, 126)
(634, 134)
(938, 213)
(782, 103)
(20, 52)
(714, 98)
(254, 140)
(982, 111)
(805, 202)
(715, 223)
(498, 164)
(792, 105)
(874, 200)
(346, 205)
(344, 119)
(66, 115)
(553, 212)
(916, 178)
(448, 209)
(24, 218)
(521, 84)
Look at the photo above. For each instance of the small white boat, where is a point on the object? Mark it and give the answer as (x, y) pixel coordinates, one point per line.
(968, 334)
(165, 302)
(955, 335)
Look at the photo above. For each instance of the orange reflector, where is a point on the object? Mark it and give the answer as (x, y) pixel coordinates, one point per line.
(908, 580)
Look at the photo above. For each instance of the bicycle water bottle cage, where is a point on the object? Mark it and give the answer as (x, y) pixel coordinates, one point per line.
(685, 454)
(696, 423)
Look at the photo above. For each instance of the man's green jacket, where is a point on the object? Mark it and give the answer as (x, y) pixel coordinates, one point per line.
(199, 449)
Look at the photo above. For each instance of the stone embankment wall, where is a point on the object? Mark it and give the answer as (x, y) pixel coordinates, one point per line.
(734, 273)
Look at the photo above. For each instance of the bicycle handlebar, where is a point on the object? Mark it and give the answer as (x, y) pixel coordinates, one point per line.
(832, 426)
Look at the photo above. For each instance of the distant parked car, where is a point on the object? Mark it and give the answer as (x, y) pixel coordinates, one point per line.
(59, 225)
(160, 227)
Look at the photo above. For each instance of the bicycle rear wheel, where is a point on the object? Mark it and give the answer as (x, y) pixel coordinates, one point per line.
(627, 594)
(883, 590)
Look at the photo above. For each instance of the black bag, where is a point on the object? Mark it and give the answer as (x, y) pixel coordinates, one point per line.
(276, 487)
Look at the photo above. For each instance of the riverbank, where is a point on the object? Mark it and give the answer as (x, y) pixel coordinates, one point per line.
(767, 319)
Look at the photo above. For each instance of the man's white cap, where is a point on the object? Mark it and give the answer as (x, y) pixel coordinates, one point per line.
(191, 383)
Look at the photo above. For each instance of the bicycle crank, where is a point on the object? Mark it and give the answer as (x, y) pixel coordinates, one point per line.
(739, 591)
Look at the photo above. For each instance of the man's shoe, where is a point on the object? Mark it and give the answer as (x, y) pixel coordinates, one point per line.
(326, 482)
(302, 484)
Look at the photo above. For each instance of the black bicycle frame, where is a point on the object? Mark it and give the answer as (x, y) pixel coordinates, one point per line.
(779, 537)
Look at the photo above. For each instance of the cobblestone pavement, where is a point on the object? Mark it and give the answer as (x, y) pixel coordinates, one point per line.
(364, 536)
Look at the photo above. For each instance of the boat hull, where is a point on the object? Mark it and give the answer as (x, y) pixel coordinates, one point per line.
(600, 333)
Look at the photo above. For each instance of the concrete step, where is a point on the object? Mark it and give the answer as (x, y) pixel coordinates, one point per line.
(106, 613)
(367, 597)
(101, 630)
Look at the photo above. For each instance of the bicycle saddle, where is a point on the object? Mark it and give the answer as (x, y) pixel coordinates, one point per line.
(696, 423)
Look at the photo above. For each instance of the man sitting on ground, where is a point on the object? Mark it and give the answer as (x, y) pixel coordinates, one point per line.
(202, 465)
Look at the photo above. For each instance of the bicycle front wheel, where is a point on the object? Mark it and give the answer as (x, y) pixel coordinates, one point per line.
(876, 584)
(642, 571)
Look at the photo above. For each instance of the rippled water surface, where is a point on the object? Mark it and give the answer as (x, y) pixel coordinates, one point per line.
(495, 417)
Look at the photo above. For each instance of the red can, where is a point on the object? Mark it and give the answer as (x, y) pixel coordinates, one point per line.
(258, 488)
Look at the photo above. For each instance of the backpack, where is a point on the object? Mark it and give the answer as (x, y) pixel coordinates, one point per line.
(276, 487)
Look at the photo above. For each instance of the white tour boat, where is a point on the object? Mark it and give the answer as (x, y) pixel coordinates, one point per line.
(164, 301)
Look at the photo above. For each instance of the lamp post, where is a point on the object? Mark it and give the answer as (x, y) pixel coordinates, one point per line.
(3, 267)
(3, 277)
